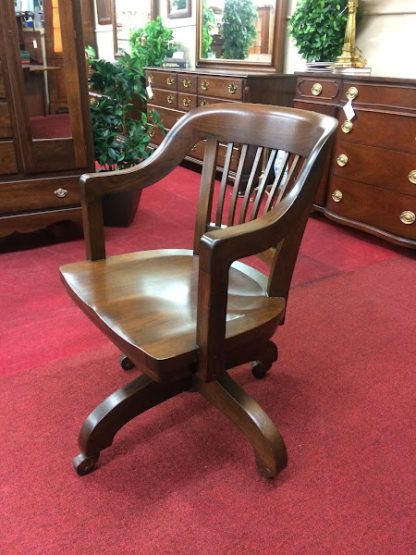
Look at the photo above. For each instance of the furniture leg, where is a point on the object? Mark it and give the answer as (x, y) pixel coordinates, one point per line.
(227, 396)
(115, 411)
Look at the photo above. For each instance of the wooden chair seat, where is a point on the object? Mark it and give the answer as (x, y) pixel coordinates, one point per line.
(184, 318)
(151, 298)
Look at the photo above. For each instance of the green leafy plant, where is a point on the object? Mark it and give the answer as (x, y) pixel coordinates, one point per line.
(120, 123)
(208, 23)
(238, 28)
(151, 44)
(318, 28)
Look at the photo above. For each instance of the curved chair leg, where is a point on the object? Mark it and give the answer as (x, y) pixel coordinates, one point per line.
(269, 355)
(113, 413)
(227, 396)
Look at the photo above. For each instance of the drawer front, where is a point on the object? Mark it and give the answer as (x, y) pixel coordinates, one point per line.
(375, 93)
(168, 99)
(380, 208)
(377, 166)
(187, 101)
(162, 80)
(222, 87)
(2, 85)
(167, 117)
(326, 109)
(197, 152)
(322, 89)
(206, 100)
(380, 129)
(8, 164)
(5, 122)
(187, 83)
(36, 194)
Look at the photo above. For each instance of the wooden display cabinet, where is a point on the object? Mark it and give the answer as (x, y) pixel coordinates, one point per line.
(43, 153)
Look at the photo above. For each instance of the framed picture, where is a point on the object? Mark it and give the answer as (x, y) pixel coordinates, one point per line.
(179, 8)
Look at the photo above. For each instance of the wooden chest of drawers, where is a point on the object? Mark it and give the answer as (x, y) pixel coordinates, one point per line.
(370, 182)
(179, 90)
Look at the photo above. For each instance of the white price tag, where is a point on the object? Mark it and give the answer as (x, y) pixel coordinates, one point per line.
(349, 110)
(149, 91)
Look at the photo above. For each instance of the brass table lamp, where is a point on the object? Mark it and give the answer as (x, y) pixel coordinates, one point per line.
(351, 55)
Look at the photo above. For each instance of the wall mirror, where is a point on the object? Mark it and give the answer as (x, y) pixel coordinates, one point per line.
(241, 33)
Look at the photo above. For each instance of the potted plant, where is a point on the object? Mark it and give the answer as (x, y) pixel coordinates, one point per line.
(317, 28)
(151, 44)
(238, 28)
(120, 126)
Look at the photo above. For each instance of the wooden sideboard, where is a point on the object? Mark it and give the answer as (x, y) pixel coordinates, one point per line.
(370, 180)
(176, 91)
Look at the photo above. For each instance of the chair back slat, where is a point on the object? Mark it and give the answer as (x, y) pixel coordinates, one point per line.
(224, 183)
(251, 184)
(236, 186)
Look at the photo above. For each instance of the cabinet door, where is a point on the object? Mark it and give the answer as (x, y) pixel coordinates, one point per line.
(49, 139)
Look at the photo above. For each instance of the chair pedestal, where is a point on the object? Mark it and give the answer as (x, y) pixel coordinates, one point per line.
(142, 393)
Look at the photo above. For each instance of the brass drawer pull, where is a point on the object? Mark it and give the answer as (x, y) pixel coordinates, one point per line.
(203, 103)
(187, 83)
(170, 81)
(337, 195)
(186, 102)
(342, 160)
(232, 88)
(407, 217)
(150, 79)
(347, 126)
(205, 85)
(61, 193)
(412, 176)
(352, 92)
(151, 132)
(170, 99)
(316, 89)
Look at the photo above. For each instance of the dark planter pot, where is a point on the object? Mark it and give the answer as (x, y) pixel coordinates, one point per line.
(120, 209)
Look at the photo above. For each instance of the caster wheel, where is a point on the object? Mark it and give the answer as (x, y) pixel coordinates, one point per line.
(126, 363)
(259, 370)
(84, 464)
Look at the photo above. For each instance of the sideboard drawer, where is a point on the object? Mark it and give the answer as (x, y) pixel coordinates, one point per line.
(390, 169)
(167, 117)
(398, 96)
(2, 85)
(380, 129)
(187, 83)
(207, 100)
(162, 80)
(187, 101)
(165, 98)
(223, 87)
(379, 208)
(318, 88)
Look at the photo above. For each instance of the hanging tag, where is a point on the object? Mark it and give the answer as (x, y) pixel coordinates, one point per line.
(349, 110)
(149, 91)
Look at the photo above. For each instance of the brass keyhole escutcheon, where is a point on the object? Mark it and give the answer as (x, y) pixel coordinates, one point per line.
(408, 217)
(342, 160)
(347, 126)
(170, 98)
(205, 85)
(170, 81)
(232, 88)
(60, 192)
(337, 195)
(352, 92)
(412, 176)
(316, 89)
(186, 102)
(186, 83)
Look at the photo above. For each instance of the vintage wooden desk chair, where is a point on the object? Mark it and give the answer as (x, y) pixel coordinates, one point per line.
(185, 317)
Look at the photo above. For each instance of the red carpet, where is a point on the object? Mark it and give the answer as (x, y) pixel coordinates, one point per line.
(180, 479)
